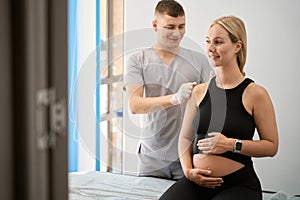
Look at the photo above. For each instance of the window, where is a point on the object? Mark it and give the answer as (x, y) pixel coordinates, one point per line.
(111, 74)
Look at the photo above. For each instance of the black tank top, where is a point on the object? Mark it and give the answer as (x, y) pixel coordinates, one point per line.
(222, 110)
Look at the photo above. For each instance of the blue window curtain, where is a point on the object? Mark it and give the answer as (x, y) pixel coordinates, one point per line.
(98, 84)
(72, 86)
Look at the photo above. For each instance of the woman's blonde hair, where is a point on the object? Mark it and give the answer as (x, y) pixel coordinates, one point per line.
(237, 31)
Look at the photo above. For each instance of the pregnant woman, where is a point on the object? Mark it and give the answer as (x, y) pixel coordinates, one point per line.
(223, 114)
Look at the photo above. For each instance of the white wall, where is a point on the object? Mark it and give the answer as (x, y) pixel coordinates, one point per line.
(273, 51)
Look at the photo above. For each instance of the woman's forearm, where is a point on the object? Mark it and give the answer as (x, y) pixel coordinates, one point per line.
(185, 152)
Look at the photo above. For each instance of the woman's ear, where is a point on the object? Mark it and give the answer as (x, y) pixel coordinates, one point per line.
(238, 46)
(154, 25)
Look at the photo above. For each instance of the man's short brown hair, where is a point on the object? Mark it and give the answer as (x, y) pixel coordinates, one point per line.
(169, 7)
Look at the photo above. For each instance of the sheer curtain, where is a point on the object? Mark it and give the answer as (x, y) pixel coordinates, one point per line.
(84, 93)
(72, 84)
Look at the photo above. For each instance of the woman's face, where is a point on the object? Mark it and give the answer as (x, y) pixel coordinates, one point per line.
(221, 51)
(170, 31)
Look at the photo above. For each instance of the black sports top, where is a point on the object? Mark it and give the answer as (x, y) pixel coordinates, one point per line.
(222, 110)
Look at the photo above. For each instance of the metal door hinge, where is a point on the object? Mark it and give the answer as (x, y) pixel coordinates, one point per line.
(51, 118)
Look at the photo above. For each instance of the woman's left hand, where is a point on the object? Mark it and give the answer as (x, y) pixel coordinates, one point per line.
(216, 143)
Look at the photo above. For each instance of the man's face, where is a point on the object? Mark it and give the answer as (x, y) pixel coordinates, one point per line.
(170, 31)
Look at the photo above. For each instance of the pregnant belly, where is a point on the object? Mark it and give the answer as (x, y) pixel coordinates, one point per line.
(218, 165)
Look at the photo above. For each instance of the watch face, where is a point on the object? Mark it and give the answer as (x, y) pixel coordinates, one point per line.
(238, 146)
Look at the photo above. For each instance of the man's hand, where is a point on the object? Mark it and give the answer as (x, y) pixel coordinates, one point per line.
(183, 93)
(202, 178)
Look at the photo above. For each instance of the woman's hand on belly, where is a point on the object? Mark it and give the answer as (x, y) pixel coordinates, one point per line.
(202, 177)
(216, 143)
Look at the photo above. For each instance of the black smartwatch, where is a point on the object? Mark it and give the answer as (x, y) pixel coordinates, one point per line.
(237, 146)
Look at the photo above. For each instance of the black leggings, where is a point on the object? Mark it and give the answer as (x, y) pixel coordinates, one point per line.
(242, 184)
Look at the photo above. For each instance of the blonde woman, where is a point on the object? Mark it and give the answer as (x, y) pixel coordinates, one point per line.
(224, 114)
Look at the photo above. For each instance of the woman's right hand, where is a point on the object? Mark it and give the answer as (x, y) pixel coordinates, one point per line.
(202, 177)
